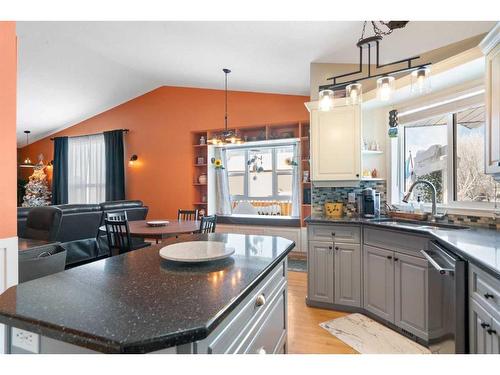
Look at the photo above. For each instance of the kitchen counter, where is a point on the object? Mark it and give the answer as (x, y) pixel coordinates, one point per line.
(478, 245)
(137, 302)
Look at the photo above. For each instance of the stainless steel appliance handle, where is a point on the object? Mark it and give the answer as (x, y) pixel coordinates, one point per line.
(442, 271)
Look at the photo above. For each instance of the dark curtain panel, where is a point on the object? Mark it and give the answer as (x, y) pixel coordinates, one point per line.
(115, 169)
(60, 171)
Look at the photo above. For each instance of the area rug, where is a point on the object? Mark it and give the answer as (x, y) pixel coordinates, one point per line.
(370, 337)
(298, 265)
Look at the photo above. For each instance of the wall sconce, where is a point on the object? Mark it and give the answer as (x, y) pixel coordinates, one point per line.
(133, 160)
(50, 165)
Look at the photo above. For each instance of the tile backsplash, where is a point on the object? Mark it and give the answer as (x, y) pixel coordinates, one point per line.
(322, 195)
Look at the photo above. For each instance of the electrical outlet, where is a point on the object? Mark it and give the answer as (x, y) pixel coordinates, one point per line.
(351, 197)
(25, 340)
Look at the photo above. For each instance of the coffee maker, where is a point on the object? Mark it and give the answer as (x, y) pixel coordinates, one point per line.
(369, 203)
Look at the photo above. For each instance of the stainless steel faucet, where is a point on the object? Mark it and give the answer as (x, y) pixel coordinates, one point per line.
(434, 214)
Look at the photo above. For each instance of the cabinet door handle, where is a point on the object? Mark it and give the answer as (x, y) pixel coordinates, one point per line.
(491, 332)
(489, 295)
(484, 325)
(260, 300)
(330, 247)
(333, 234)
(396, 259)
(336, 247)
(389, 257)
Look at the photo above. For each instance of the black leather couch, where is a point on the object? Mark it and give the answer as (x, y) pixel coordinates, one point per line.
(79, 231)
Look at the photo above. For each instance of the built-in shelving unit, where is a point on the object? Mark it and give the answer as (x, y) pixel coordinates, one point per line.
(294, 129)
(199, 194)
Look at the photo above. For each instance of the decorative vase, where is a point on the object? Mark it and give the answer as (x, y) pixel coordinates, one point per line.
(202, 179)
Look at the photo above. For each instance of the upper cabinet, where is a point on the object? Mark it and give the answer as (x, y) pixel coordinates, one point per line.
(491, 48)
(335, 143)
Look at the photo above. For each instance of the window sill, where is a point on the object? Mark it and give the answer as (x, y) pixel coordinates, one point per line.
(490, 212)
(278, 221)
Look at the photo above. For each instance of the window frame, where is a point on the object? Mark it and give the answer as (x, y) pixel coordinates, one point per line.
(451, 194)
(275, 173)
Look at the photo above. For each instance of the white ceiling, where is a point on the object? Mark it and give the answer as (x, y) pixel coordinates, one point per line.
(70, 71)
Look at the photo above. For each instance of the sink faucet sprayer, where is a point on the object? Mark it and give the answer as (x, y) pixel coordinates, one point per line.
(434, 214)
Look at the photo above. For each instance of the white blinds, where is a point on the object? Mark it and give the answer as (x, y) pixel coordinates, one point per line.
(86, 169)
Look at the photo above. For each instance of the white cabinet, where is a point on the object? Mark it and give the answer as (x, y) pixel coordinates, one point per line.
(335, 143)
(491, 48)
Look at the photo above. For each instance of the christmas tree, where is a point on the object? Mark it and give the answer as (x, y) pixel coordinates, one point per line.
(37, 189)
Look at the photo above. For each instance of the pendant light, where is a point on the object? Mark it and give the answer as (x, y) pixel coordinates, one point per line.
(420, 81)
(27, 162)
(385, 88)
(369, 45)
(353, 93)
(227, 136)
(325, 100)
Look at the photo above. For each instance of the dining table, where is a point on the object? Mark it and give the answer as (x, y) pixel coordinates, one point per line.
(174, 227)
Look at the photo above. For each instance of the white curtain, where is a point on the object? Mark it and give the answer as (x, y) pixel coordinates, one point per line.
(223, 197)
(296, 183)
(86, 169)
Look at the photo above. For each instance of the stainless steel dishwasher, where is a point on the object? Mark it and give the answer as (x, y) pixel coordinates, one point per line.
(447, 300)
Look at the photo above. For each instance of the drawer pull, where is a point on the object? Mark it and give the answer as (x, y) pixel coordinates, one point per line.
(337, 248)
(330, 247)
(484, 325)
(491, 332)
(488, 296)
(389, 257)
(261, 300)
(261, 350)
(333, 234)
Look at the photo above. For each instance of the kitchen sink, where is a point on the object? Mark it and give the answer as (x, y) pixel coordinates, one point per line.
(418, 224)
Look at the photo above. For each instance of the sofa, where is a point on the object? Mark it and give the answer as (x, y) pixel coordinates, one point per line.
(79, 230)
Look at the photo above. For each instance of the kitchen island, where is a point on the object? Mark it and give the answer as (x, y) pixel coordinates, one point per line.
(140, 303)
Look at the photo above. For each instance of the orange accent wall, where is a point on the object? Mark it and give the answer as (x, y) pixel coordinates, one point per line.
(8, 160)
(160, 123)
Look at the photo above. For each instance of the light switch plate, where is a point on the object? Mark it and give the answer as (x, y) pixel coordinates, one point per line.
(25, 340)
(351, 197)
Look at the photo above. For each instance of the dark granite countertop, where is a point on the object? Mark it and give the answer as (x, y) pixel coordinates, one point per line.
(138, 302)
(478, 245)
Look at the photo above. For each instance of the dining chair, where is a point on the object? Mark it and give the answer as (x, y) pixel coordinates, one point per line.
(207, 224)
(117, 216)
(187, 214)
(118, 235)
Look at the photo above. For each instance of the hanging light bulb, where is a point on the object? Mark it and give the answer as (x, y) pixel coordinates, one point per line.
(420, 81)
(385, 88)
(353, 94)
(27, 163)
(325, 100)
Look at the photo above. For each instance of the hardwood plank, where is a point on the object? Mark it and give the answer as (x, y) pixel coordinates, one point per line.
(305, 336)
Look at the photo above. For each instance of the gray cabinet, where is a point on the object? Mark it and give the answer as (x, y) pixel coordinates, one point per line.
(410, 294)
(484, 313)
(347, 274)
(320, 272)
(480, 321)
(379, 282)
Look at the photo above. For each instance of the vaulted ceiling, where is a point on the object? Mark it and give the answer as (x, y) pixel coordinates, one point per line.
(70, 71)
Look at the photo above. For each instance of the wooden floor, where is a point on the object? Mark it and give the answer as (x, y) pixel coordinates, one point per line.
(304, 333)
